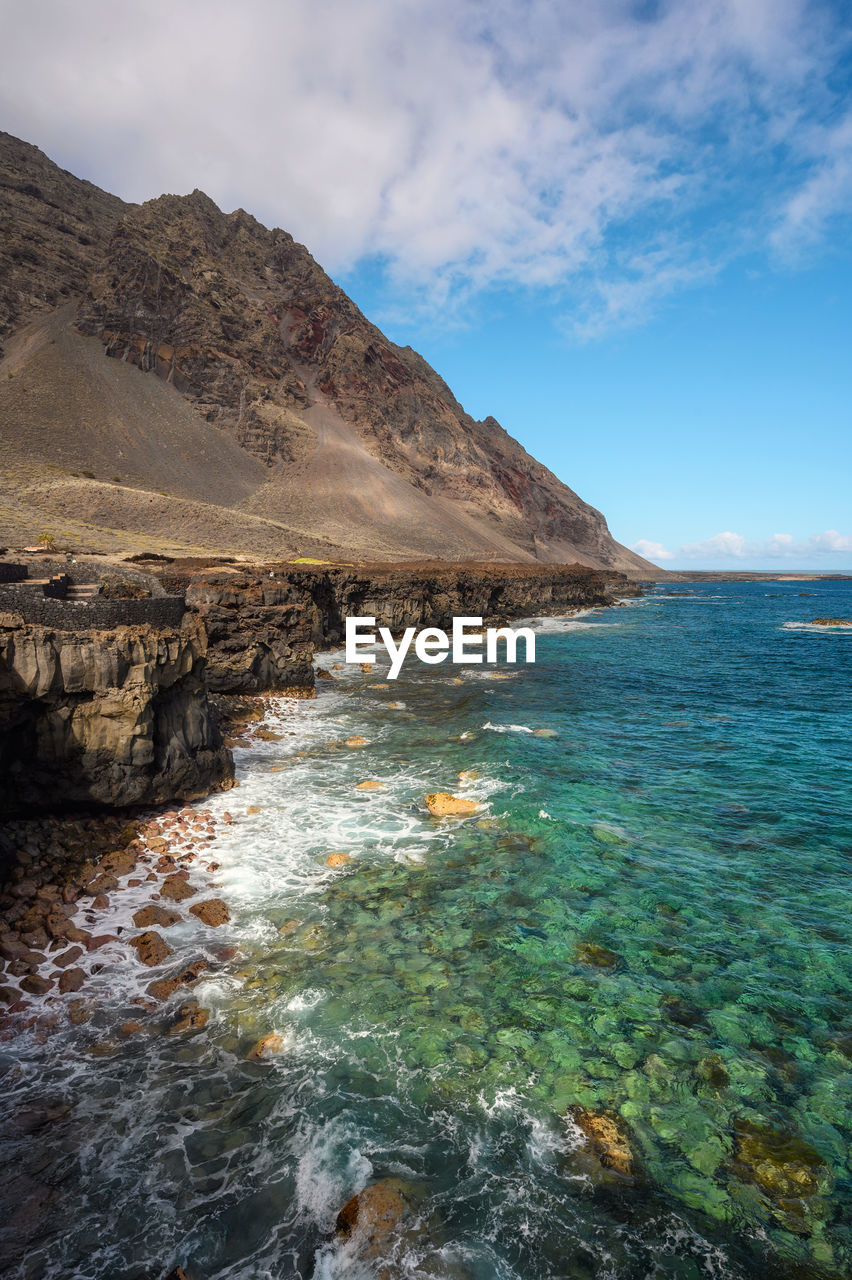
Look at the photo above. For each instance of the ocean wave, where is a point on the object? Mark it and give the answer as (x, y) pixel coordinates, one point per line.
(816, 628)
(507, 728)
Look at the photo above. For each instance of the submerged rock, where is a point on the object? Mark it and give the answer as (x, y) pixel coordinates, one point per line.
(441, 804)
(371, 784)
(374, 1216)
(607, 1134)
(162, 989)
(597, 956)
(791, 1174)
(355, 740)
(267, 1047)
(192, 1018)
(338, 859)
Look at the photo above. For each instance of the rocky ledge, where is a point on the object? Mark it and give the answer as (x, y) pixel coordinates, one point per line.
(105, 719)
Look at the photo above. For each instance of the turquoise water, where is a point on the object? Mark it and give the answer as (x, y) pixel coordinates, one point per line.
(648, 916)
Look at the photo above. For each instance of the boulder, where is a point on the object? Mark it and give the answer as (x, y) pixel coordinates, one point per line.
(150, 947)
(147, 916)
(71, 980)
(176, 889)
(267, 1046)
(374, 1219)
(441, 804)
(35, 985)
(67, 957)
(162, 989)
(790, 1173)
(607, 1135)
(598, 957)
(192, 1018)
(212, 911)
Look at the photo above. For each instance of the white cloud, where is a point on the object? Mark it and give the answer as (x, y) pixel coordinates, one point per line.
(466, 144)
(733, 547)
(654, 551)
(825, 192)
(729, 544)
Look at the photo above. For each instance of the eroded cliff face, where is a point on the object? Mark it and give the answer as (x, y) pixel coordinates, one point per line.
(260, 635)
(105, 718)
(264, 622)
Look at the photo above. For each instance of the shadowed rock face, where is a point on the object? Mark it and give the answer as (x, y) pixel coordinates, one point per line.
(362, 446)
(53, 226)
(104, 718)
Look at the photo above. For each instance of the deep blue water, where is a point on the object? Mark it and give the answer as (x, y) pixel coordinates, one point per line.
(648, 917)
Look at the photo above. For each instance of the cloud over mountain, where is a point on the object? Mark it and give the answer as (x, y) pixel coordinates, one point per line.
(617, 151)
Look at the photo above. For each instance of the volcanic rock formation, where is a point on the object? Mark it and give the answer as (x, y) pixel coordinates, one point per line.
(278, 419)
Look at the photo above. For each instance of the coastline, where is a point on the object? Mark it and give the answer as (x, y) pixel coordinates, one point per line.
(318, 936)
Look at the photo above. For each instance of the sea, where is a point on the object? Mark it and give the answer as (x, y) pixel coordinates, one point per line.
(647, 917)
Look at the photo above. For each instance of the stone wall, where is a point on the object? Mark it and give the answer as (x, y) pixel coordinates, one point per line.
(30, 604)
(12, 572)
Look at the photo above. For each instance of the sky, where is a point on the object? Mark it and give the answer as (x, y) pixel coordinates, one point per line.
(621, 228)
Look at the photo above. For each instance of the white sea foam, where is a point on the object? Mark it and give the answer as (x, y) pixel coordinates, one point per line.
(833, 629)
(507, 728)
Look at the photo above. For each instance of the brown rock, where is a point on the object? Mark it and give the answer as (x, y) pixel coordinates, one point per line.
(373, 1217)
(102, 884)
(67, 957)
(145, 917)
(338, 859)
(80, 1011)
(267, 1046)
(790, 1173)
(130, 1028)
(441, 804)
(371, 784)
(165, 987)
(151, 948)
(95, 941)
(607, 1134)
(73, 934)
(175, 888)
(35, 985)
(119, 863)
(212, 912)
(193, 1019)
(71, 980)
(598, 957)
(355, 740)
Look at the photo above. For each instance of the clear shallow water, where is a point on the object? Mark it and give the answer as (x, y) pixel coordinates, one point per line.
(649, 915)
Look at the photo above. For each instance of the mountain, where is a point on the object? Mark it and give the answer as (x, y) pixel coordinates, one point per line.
(177, 377)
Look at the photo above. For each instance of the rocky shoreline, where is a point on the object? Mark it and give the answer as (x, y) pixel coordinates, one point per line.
(102, 732)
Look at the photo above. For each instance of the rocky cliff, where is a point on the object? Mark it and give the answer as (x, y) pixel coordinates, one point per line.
(104, 719)
(343, 443)
(264, 622)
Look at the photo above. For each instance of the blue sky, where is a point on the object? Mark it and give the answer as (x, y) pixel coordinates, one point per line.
(623, 229)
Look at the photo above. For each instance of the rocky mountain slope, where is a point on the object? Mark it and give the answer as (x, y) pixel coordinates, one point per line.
(278, 420)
